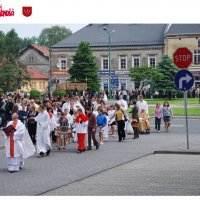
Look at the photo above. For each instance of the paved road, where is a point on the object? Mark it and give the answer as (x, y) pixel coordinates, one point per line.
(41, 176)
(151, 175)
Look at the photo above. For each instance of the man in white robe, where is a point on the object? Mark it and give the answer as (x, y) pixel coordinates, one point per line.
(123, 104)
(43, 132)
(14, 145)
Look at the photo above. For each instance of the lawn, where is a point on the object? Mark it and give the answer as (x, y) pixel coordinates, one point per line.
(177, 111)
(173, 101)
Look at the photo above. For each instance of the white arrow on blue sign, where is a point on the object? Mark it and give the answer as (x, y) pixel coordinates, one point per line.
(184, 80)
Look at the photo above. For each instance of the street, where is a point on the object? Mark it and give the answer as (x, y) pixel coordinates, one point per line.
(64, 172)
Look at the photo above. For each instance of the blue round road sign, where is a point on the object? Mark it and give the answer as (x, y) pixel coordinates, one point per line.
(184, 80)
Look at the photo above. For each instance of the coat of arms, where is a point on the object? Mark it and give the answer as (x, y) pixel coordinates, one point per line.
(27, 11)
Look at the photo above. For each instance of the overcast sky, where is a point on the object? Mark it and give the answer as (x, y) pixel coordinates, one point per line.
(29, 30)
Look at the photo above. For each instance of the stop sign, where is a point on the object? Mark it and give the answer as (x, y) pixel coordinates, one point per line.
(182, 57)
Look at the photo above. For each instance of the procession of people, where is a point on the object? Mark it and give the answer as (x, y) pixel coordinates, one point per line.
(40, 126)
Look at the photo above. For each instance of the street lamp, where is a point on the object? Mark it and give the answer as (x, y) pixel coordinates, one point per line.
(109, 60)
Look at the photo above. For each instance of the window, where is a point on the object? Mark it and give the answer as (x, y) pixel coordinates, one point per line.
(196, 56)
(30, 59)
(122, 62)
(104, 63)
(152, 60)
(43, 85)
(40, 85)
(63, 63)
(136, 61)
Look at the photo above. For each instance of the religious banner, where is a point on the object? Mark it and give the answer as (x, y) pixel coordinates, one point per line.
(73, 86)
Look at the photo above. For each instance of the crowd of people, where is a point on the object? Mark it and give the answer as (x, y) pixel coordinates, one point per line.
(86, 121)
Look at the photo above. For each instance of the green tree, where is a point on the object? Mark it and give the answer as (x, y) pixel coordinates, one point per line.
(84, 67)
(13, 76)
(144, 75)
(27, 41)
(59, 92)
(50, 36)
(35, 94)
(2, 46)
(12, 46)
(168, 70)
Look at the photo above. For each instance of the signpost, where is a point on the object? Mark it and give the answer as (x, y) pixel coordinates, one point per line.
(184, 79)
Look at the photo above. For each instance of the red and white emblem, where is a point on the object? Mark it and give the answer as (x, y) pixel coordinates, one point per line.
(27, 11)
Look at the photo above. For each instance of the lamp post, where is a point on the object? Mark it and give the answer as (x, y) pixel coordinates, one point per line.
(109, 61)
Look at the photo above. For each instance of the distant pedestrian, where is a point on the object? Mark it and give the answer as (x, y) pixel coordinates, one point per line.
(167, 114)
(135, 120)
(91, 128)
(101, 124)
(158, 116)
(142, 104)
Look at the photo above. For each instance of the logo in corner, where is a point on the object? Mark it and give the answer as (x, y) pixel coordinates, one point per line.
(27, 11)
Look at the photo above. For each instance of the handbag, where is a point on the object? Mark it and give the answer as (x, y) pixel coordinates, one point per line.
(125, 118)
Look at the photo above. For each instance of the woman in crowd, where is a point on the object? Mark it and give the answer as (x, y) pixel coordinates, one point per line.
(32, 124)
(23, 113)
(112, 122)
(120, 120)
(158, 116)
(167, 114)
(135, 119)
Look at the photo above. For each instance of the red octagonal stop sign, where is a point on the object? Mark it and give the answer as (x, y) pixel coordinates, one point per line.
(182, 58)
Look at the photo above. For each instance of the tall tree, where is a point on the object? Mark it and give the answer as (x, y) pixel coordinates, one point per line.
(84, 67)
(50, 36)
(168, 70)
(12, 44)
(27, 41)
(144, 75)
(12, 76)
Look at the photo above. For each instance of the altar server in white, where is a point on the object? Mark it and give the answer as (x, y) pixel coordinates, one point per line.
(43, 132)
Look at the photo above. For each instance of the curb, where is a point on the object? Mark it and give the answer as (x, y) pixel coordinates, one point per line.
(185, 152)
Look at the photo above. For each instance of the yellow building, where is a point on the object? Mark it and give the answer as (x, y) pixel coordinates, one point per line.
(185, 35)
(37, 81)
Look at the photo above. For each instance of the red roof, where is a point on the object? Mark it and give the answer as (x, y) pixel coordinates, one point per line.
(35, 74)
(44, 50)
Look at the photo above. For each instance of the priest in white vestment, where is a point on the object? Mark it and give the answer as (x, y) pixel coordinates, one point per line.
(43, 132)
(18, 145)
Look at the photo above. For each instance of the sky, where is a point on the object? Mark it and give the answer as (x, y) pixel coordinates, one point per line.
(29, 30)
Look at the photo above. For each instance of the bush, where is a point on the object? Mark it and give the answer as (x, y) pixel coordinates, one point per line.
(59, 92)
(35, 94)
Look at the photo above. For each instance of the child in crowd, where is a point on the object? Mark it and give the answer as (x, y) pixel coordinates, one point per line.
(158, 116)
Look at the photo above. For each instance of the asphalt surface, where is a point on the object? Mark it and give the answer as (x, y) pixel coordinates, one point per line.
(151, 175)
(57, 174)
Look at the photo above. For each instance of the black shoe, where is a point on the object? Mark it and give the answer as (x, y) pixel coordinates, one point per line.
(89, 149)
(79, 151)
(48, 152)
(124, 138)
(97, 147)
(41, 155)
(120, 141)
(136, 137)
(11, 171)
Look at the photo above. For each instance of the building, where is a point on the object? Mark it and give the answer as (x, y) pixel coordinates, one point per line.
(36, 57)
(37, 81)
(185, 35)
(132, 45)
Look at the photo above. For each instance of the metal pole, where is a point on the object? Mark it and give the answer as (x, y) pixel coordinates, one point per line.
(109, 85)
(186, 117)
